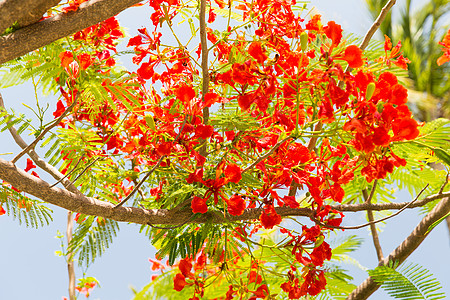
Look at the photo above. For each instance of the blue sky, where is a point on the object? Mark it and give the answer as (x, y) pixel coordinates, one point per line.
(29, 267)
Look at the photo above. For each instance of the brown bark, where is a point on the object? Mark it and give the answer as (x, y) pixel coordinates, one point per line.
(49, 30)
(24, 12)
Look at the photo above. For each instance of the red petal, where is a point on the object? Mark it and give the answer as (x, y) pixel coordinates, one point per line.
(334, 32)
(236, 205)
(198, 205)
(179, 282)
(30, 165)
(185, 267)
(353, 55)
(256, 51)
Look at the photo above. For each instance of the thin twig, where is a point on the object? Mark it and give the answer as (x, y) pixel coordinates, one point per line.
(441, 190)
(151, 171)
(55, 173)
(373, 228)
(383, 13)
(84, 170)
(44, 132)
(69, 173)
(373, 222)
(277, 145)
(387, 206)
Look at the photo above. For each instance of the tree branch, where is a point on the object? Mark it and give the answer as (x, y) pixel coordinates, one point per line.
(24, 13)
(49, 30)
(44, 132)
(70, 265)
(90, 206)
(401, 253)
(373, 228)
(39, 161)
(205, 68)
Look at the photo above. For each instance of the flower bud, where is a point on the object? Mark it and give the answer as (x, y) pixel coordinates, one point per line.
(150, 122)
(304, 40)
(369, 91)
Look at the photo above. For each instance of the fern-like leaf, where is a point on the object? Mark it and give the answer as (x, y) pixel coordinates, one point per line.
(26, 210)
(407, 282)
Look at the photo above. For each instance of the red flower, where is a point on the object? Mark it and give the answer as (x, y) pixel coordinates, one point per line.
(204, 131)
(85, 60)
(236, 205)
(334, 32)
(257, 52)
(179, 282)
(262, 291)
(402, 62)
(30, 165)
(185, 267)
(380, 136)
(320, 254)
(290, 201)
(269, 217)
(156, 265)
(66, 58)
(146, 70)
(446, 56)
(399, 95)
(210, 99)
(198, 205)
(246, 100)
(405, 129)
(185, 93)
(2, 211)
(211, 16)
(233, 173)
(164, 148)
(353, 55)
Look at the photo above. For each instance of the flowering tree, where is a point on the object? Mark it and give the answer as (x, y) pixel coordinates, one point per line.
(239, 144)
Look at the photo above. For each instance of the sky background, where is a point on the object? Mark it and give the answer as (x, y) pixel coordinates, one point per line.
(29, 268)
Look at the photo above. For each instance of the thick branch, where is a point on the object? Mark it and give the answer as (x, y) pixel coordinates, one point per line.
(368, 287)
(24, 13)
(49, 30)
(90, 206)
(205, 68)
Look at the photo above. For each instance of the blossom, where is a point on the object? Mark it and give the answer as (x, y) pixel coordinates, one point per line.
(269, 217)
(236, 205)
(30, 165)
(353, 55)
(179, 282)
(198, 205)
(257, 52)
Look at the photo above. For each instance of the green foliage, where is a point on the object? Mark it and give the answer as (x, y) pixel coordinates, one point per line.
(407, 282)
(91, 238)
(7, 120)
(233, 118)
(29, 211)
(417, 173)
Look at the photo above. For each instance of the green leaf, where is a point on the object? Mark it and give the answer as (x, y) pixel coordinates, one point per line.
(407, 282)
